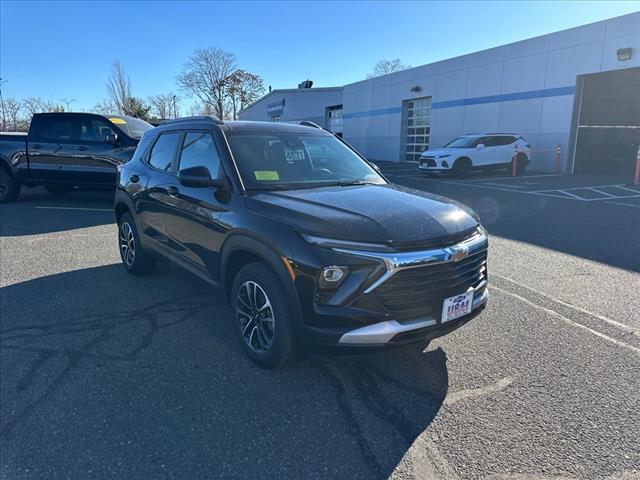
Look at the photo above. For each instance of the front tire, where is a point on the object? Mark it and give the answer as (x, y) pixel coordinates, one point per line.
(135, 260)
(264, 318)
(9, 186)
(462, 167)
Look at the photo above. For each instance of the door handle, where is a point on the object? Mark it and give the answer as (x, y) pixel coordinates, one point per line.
(36, 146)
(134, 178)
(173, 191)
(81, 148)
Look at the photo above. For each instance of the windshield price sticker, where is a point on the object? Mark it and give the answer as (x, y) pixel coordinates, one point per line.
(266, 175)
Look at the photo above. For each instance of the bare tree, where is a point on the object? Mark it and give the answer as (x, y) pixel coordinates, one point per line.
(67, 102)
(12, 110)
(243, 89)
(164, 106)
(200, 108)
(119, 89)
(33, 105)
(104, 107)
(206, 75)
(387, 66)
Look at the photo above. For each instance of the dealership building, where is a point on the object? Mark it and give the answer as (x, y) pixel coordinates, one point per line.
(577, 88)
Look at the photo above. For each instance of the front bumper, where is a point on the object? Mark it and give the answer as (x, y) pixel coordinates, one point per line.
(434, 164)
(402, 303)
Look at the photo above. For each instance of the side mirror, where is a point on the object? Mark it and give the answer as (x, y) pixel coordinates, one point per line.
(111, 138)
(480, 146)
(198, 177)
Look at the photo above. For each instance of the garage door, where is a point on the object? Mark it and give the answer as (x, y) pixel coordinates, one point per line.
(415, 128)
(608, 133)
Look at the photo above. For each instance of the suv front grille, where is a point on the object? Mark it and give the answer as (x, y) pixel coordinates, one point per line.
(421, 290)
(428, 162)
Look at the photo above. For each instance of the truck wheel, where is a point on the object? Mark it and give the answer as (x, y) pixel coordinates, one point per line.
(462, 167)
(58, 189)
(9, 186)
(263, 317)
(135, 260)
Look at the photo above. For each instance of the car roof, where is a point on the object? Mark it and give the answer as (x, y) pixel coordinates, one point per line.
(493, 134)
(243, 126)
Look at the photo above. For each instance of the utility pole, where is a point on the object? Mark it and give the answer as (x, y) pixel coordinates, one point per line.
(67, 102)
(4, 120)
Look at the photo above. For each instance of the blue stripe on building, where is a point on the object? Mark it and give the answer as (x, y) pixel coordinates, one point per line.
(505, 97)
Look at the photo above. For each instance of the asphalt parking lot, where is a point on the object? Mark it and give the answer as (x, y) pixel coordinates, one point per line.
(105, 375)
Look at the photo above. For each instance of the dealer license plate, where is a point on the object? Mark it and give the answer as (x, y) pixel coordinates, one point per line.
(457, 306)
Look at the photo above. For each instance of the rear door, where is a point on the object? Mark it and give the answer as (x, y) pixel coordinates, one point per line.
(154, 198)
(52, 138)
(95, 160)
(193, 220)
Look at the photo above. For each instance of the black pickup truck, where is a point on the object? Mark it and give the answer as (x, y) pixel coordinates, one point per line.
(67, 150)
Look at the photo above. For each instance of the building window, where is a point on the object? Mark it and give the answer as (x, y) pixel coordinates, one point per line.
(416, 115)
(334, 119)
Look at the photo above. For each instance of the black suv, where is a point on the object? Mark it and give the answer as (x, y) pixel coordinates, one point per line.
(311, 244)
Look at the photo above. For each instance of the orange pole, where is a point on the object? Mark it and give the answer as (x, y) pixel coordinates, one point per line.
(558, 158)
(514, 163)
(636, 177)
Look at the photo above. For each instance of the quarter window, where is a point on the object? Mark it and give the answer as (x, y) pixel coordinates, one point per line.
(199, 149)
(163, 151)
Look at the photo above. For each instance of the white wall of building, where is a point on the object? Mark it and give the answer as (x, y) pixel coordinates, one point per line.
(300, 104)
(526, 87)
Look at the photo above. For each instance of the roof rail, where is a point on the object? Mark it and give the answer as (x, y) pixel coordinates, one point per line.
(307, 123)
(210, 118)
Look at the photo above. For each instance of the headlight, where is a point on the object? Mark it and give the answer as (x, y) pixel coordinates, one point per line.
(345, 244)
(443, 156)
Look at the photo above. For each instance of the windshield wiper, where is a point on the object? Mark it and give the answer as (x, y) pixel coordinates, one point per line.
(347, 183)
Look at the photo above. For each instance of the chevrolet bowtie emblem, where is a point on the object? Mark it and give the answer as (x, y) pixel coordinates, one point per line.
(459, 252)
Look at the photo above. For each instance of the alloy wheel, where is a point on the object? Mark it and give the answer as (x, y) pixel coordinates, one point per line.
(255, 317)
(127, 243)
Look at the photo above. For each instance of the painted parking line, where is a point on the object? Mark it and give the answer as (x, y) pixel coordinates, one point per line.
(74, 208)
(592, 193)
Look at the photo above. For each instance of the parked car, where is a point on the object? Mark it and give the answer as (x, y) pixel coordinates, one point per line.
(65, 150)
(310, 244)
(484, 151)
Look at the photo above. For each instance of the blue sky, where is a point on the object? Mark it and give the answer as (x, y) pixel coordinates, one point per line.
(64, 49)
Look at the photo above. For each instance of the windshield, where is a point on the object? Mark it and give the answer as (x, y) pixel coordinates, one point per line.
(270, 161)
(462, 142)
(131, 126)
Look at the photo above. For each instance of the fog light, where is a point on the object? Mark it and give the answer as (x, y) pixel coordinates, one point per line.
(445, 164)
(331, 276)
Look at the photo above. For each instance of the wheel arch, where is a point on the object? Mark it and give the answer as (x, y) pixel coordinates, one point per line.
(240, 250)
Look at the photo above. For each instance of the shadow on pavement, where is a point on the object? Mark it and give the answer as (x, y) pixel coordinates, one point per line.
(36, 211)
(142, 377)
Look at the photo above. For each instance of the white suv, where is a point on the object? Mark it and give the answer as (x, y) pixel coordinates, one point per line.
(482, 151)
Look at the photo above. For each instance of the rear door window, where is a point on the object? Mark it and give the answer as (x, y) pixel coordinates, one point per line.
(163, 151)
(64, 129)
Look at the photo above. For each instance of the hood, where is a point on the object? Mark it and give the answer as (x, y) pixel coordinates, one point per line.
(441, 151)
(368, 213)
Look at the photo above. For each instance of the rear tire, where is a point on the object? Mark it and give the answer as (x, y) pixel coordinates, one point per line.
(9, 186)
(462, 167)
(264, 318)
(522, 163)
(134, 259)
(58, 189)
